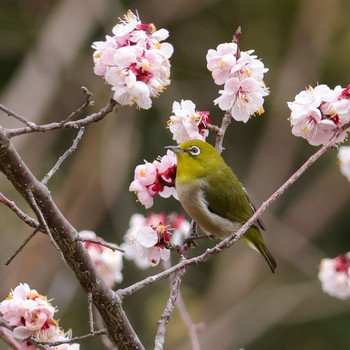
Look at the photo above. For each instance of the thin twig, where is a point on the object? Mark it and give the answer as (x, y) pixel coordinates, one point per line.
(174, 290)
(192, 330)
(22, 215)
(162, 323)
(236, 39)
(88, 103)
(40, 216)
(68, 341)
(105, 244)
(10, 113)
(213, 128)
(66, 154)
(91, 316)
(70, 124)
(20, 248)
(226, 120)
(284, 187)
(191, 327)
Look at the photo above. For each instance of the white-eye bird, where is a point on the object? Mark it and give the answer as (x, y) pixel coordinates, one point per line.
(213, 197)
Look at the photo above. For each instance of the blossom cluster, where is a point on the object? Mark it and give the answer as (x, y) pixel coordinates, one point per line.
(147, 237)
(242, 75)
(109, 263)
(334, 275)
(30, 314)
(155, 178)
(317, 113)
(134, 61)
(344, 161)
(187, 123)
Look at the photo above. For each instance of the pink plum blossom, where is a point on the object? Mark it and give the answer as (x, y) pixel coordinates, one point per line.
(109, 263)
(29, 314)
(155, 178)
(134, 61)
(242, 75)
(318, 113)
(147, 237)
(344, 161)
(188, 123)
(334, 276)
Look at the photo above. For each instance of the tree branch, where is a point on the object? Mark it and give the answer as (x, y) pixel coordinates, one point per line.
(69, 124)
(7, 336)
(65, 235)
(10, 113)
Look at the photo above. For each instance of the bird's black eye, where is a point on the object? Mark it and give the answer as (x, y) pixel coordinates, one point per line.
(194, 151)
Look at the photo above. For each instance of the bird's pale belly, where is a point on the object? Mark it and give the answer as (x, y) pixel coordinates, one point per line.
(195, 204)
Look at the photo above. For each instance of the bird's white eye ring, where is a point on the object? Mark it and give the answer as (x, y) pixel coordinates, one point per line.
(194, 151)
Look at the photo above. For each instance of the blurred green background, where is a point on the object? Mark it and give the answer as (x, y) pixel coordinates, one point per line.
(45, 57)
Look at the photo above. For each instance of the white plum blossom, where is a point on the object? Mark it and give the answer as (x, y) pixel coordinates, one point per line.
(147, 237)
(134, 61)
(142, 243)
(155, 178)
(222, 61)
(318, 113)
(334, 276)
(29, 314)
(188, 123)
(180, 228)
(242, 75)
(109, 263)
(344, 161)
(242, 97)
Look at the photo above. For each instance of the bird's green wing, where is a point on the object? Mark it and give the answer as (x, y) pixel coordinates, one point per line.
(230, 200)
(227, 197)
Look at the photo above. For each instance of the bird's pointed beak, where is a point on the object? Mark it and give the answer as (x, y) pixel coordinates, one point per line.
(175, 149)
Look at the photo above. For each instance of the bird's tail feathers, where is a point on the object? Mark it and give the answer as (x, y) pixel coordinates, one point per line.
(268, 257)
(255, 241)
